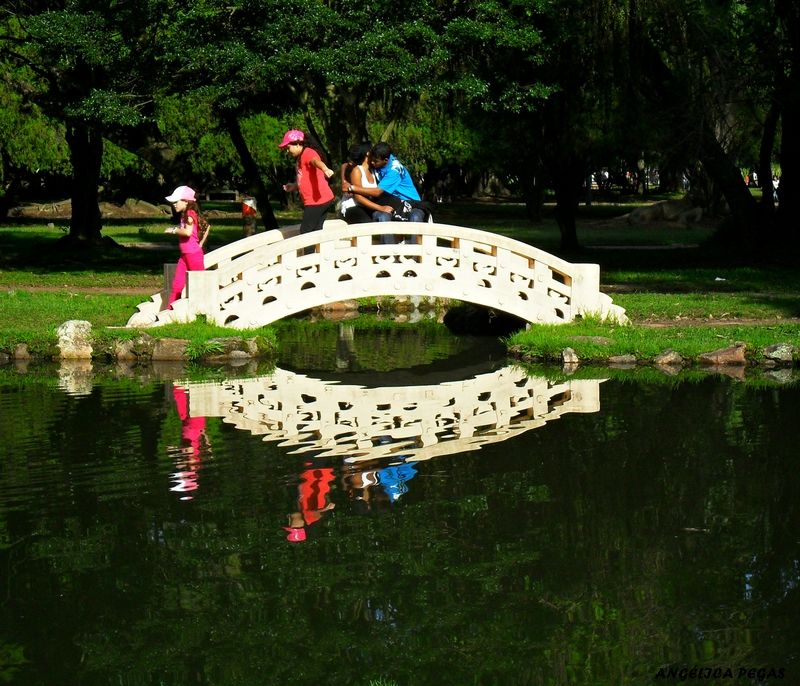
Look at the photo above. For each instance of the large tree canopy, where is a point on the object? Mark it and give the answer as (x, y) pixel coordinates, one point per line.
(537, 91)
(90, 62)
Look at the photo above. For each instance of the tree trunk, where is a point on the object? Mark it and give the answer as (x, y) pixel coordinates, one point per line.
(11, 180)
(86, 154)
(251, 171)
(767, 207)
(788, 201)
(533, 195)
(668, 92)
(567, 195)
(567, 172)
(728, 179)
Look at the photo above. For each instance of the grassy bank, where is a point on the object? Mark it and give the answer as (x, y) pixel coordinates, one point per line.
(679, 293)
(597, 342)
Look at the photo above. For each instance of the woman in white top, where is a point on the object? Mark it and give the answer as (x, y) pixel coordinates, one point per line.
(359, 209)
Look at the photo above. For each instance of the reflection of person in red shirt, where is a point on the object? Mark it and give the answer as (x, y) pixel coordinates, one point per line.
(192, 430)
(312, 501)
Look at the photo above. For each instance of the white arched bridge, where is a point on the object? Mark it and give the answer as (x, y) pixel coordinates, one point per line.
(266, 277)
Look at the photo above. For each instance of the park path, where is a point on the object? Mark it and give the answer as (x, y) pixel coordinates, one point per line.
(99, 290)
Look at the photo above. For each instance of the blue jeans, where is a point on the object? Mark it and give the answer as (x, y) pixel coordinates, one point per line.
(386, 238)
(416, 215)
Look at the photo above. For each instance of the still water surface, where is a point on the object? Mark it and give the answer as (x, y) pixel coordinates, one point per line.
(323, 524)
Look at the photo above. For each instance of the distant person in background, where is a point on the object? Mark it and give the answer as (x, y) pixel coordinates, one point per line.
(249, 213)
(192, 233)
(312, 180)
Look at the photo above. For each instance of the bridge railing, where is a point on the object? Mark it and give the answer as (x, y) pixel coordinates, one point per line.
(268, 276)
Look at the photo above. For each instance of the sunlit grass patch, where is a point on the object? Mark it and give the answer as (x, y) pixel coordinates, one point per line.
(597, 341)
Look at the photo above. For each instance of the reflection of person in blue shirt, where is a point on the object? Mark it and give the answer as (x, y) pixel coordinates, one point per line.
(394, 479)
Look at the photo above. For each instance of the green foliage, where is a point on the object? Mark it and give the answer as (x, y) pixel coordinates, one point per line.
(497, 49)
(29, 140)
(470, 83)
(199, 349)
(190, 126)
(118, 161)
(432, 136)
(12, 659)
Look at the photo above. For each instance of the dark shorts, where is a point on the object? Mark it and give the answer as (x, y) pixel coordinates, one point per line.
(357, 215)
(400, 209)
(314, 217)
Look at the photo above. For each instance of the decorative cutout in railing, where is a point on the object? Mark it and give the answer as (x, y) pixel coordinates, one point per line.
(359, 423)
(263, 278)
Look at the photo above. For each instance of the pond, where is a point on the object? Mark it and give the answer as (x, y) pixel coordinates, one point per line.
(431, 515)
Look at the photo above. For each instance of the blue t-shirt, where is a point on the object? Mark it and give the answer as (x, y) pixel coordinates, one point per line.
(394, 479)
(395, 180)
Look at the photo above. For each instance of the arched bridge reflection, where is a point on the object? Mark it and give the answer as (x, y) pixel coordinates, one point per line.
(359, 423)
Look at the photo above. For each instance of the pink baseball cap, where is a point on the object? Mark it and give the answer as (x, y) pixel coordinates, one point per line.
(182, 193)
(295, 535)
(292, 136)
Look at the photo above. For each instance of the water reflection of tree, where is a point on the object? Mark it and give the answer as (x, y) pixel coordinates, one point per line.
(674, 569)
(382, 346)
(623, 541)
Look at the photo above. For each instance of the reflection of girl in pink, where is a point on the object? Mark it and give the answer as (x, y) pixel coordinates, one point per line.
(192, 430)
(312, 501)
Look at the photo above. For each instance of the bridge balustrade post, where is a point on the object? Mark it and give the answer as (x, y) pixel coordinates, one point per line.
(585, 396)
(169, 277)
(202, 291)
(542, 277)
(586, 289)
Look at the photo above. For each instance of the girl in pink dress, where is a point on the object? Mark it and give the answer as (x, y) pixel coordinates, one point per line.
(192, 233)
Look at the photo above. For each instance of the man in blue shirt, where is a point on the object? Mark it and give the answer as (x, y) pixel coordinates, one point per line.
(393, 177)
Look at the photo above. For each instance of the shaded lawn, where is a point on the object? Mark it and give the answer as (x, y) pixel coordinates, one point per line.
(30, 255)
(669, 283)
(641, 307)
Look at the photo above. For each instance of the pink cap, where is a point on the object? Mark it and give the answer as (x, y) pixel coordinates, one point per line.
(295, 535)
(292, 136)
(182, 193)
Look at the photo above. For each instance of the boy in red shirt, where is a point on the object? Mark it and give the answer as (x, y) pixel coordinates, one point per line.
(312, 180)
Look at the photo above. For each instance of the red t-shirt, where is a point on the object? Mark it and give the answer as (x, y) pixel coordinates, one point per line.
(315, 485)
(314, 188)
